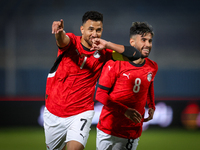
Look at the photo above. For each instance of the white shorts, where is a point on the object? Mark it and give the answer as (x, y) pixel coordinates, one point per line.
(58, 131)
(109, 142)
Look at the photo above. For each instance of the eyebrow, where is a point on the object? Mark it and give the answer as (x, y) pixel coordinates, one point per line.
(90, 27)
(147, 39)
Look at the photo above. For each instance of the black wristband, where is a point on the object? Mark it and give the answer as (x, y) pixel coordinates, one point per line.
(129, 53)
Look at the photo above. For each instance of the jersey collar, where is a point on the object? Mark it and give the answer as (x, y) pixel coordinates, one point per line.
(137, 65)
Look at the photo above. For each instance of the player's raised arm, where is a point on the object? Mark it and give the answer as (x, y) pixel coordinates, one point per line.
(129, 51)
(58, 29)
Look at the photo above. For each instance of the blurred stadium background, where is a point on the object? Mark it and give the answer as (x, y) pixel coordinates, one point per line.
(28, 50)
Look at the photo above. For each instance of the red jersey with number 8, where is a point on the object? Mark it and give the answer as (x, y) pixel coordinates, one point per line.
(130, 85)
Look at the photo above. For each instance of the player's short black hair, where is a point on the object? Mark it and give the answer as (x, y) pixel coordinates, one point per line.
(141, 28)
(92, 15)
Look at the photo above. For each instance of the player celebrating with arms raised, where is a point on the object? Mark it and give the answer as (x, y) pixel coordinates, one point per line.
(124, 88)
(71, 83)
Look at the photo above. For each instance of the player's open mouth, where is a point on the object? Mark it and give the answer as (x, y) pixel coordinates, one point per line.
(146, 50)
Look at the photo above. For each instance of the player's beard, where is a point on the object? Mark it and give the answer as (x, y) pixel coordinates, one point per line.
(89, 41)
(86, 40)
(144, 56)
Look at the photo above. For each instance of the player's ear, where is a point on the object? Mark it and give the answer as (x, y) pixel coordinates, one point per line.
(82, 29)
(132, 42)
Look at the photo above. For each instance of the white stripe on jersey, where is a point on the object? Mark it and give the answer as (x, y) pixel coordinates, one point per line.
(51, 74)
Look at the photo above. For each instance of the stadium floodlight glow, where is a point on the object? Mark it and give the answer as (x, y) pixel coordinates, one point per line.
(40, 118)
(163, 115)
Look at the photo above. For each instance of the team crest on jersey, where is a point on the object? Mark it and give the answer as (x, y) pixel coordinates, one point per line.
(149, 76)
(96, 54)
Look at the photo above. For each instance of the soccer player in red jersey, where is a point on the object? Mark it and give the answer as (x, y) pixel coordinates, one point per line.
(124, 88)
(71, 82)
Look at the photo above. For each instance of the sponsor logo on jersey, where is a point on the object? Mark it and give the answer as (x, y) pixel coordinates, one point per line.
(149, 76)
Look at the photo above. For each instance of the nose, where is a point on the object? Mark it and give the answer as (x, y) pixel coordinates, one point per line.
(148, 44)
(94, 34)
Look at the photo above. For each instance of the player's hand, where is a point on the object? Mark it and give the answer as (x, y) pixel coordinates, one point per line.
(151, 113)
(57, 26)
(133, 115)
(98, 44)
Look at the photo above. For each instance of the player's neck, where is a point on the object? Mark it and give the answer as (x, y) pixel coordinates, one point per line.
(84, 43)
(138, 61)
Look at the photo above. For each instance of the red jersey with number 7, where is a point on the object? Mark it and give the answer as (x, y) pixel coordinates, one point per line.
(71, 82)
(126, 85)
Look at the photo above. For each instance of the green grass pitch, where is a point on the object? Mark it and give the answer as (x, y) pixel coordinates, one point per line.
(32, 138)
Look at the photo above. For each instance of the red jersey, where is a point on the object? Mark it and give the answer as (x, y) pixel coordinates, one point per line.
(124, 84)
(71, 82)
